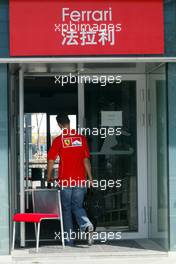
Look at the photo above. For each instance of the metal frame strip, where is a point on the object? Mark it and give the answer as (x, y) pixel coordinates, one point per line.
(89, 59)
(21, 141)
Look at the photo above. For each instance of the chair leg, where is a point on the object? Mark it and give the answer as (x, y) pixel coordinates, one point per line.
(38, 236)
(13, 238)
(62, 233)
(35, 227)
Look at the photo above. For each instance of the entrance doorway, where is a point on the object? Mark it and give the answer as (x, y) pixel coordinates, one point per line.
(119, 157)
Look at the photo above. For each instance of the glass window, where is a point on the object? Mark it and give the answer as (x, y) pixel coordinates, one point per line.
(113, 156)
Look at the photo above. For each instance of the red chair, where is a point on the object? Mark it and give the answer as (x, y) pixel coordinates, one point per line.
(46, 206)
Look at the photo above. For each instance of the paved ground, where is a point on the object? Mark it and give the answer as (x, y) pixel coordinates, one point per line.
(123, 252)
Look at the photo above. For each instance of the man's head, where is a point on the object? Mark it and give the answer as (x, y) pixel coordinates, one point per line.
(63, 120)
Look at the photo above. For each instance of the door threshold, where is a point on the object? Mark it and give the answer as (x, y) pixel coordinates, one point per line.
(124, 248)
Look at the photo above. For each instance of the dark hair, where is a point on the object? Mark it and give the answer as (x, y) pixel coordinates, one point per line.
(62, 119)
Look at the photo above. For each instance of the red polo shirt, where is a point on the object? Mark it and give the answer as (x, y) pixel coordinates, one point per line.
(72, 148)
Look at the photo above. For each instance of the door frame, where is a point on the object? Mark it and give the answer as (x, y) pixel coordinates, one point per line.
(141, 150)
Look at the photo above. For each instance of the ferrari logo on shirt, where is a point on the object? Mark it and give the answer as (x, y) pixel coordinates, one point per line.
(67, 142)
(72, 142)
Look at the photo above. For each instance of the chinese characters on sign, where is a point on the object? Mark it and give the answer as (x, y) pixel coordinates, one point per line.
(87, 27)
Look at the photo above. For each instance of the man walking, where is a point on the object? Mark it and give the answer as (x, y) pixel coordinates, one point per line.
(74, 167)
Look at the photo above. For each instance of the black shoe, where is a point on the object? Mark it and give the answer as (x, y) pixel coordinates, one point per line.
(89, 235)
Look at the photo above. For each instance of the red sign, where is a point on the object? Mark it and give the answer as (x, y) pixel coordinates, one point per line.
(70, 27)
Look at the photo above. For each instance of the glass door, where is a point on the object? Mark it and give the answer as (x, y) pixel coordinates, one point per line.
(157, 157)
(115, 126)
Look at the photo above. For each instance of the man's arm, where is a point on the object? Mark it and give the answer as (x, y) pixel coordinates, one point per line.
(50, 170)
(51, 157)
(87, 166)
